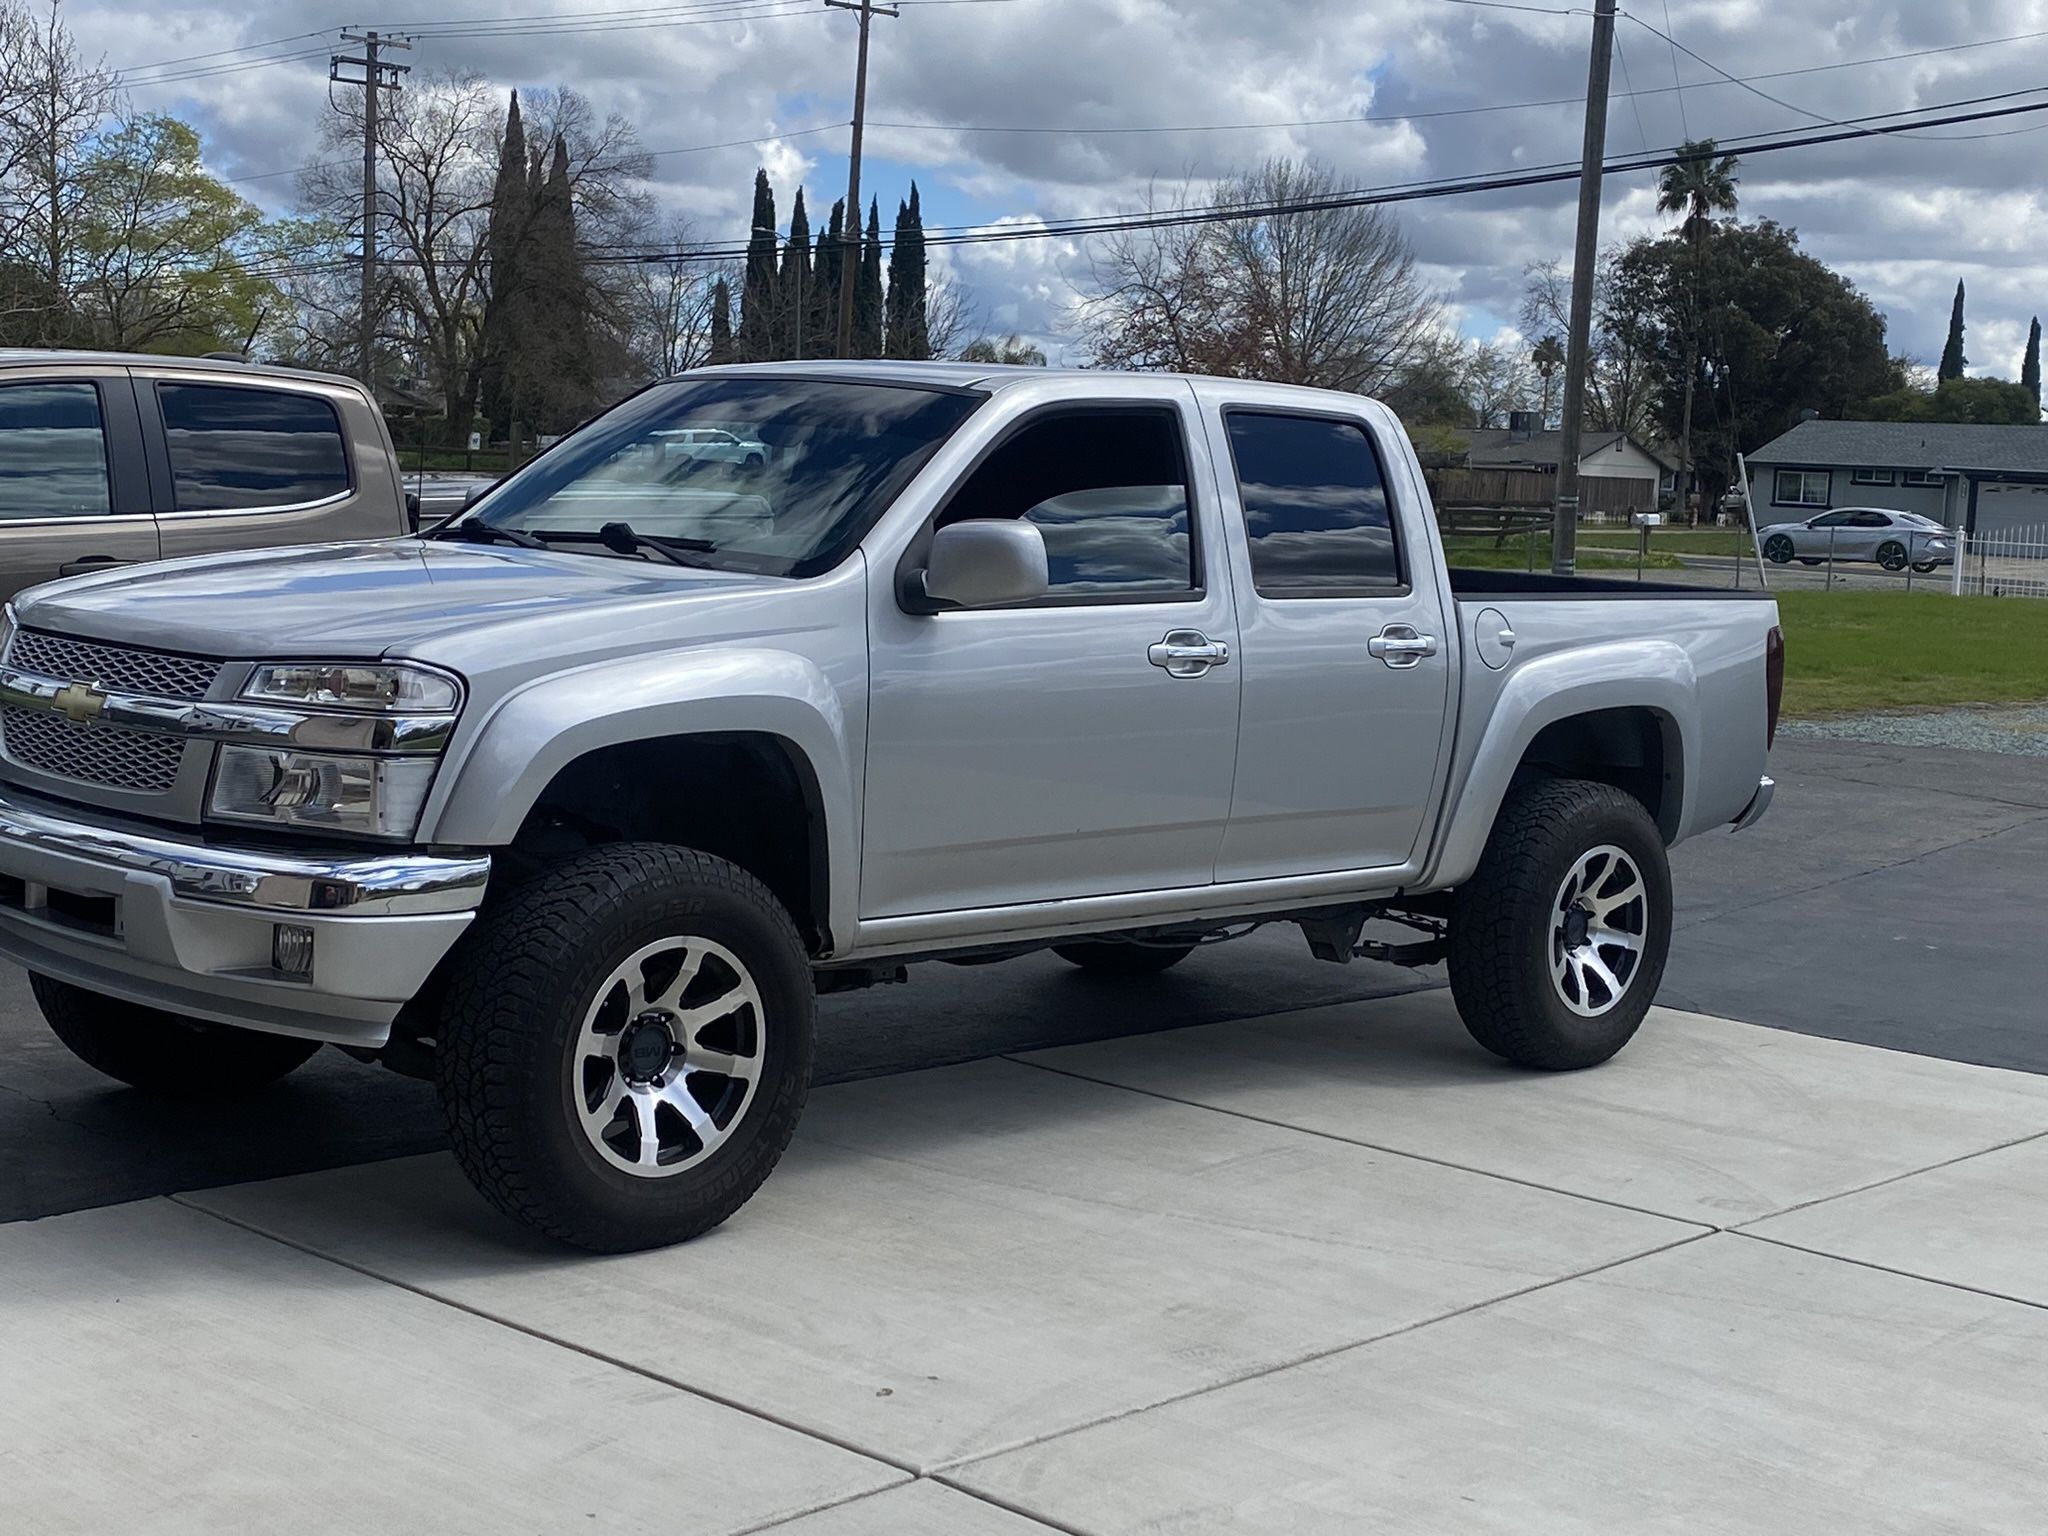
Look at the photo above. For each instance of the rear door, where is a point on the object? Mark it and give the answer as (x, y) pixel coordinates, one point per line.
(248, 463)
(1346, 651)
(74, 496)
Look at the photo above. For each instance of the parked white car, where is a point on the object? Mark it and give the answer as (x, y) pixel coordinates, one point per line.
(713, 445)
(1894, 540)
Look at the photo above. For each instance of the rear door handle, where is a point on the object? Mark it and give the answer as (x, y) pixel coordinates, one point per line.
(1402, 645)
(85, 565)
(1187, 653)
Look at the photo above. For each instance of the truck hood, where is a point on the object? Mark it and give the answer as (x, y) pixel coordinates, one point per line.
(439, 601)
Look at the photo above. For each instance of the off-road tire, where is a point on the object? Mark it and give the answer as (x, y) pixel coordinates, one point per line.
(1106, 957)
(1502, 921)
(163, 1053)
(517, 991)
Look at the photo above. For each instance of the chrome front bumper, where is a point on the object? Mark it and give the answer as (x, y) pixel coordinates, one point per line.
(188, 927)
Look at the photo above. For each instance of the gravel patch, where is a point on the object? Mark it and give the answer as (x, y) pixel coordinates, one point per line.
(2020, 730)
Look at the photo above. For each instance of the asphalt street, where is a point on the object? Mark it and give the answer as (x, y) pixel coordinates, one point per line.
(1893, 897)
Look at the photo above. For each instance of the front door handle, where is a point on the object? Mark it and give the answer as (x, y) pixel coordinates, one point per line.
(1188, 653)
(85, 565)
(1402, 645)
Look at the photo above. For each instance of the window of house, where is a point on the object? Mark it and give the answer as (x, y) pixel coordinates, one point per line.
(1871, 477)
(1108, 490)
(1919, 477)
(1315, 505)
(1800, 488)
(53, 452)
(233, 448)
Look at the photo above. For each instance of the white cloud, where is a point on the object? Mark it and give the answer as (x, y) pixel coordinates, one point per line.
(1903, 217)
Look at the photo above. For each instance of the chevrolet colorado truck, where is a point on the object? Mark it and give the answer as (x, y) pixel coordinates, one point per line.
(576, 805)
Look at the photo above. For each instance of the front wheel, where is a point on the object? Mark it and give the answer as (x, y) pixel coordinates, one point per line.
(165, 1053)
(625, 1046)
(1558, 940)
(1778, 549)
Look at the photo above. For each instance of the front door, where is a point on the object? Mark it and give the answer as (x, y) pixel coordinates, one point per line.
(1346, 650)
(74, 496)
(1081, 745)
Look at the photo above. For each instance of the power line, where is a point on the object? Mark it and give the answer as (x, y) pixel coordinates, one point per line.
(1677, 84)
(191, 58)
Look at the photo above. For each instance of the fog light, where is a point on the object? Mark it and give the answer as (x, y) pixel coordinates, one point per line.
(291, 951)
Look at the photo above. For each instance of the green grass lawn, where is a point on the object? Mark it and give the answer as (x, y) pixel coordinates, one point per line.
(1847, 652)
(1673, 541)
(1478, 551)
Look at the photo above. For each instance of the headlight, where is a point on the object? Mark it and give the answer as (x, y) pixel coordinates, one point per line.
(366, 796)
(354, 685)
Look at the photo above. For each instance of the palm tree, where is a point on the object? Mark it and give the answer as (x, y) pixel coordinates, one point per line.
(1701, 185)
(1548, 358)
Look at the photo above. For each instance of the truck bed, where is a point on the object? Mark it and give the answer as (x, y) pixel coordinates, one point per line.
(1469, 584)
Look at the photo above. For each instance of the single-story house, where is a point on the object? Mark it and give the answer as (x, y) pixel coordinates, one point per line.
(1983, 479)
(1602, 456)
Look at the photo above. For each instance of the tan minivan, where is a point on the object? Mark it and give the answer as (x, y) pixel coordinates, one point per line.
(108, 459)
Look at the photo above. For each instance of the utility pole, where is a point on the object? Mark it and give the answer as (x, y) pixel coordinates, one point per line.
(377, 76)
(850, 231)
(1564, 534)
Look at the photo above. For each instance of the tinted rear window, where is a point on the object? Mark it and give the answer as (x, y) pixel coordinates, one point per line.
(1315, 505)
(234, 448)
(53, 451)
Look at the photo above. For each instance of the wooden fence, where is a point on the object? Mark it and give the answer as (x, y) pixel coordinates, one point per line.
(1537, 488)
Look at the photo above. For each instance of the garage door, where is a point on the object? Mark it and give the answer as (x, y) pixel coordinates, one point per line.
(2012, 510)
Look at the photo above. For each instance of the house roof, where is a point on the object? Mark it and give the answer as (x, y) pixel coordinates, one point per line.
(1911, 445)
(1494, 448)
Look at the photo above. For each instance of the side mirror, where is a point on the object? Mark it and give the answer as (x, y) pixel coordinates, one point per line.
(412, 511)
(983, 563)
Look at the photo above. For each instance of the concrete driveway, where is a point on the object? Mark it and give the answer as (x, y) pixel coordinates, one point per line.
(1334, 1271)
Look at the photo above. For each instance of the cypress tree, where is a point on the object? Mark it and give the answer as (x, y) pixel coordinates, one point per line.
(503, 241)
(867, 293)
(824, 302)
(906, 334)
(721, 322)
(2030, 368)
(1953, 362)
(564, 382)
(793, 336)
(757, 294)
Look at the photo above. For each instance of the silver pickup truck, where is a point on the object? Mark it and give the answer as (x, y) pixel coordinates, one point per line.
(576, 805)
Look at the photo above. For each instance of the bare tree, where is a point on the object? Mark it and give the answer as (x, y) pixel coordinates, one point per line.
(1298, 288)
(1497, 381)
(52, 103)
(438, 143)
(1621, 385)
(668, 303)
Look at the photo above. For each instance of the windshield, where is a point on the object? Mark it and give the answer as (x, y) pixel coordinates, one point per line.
(777, 475)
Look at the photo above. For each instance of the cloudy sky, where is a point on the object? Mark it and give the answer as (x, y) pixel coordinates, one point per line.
(1003, 109)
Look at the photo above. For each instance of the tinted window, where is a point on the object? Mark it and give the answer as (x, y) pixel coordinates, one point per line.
(1107, 489)
(1832, 520)
(53, 451)
(1869, 520)
(233, 448)
(1315, 505)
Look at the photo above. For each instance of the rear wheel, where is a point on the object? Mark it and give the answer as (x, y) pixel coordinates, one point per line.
(1558, 940)
(1892, 556)
(625, 1046)
(165, 1053)
(1109, 958)
(1778, 549)
(1805, 560)
(1924, 567)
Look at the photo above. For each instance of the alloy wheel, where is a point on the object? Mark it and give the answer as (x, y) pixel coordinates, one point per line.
(1600, 922)
(668, 1057)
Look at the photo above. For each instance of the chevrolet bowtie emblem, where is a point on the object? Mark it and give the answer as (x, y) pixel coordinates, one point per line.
(80, 702)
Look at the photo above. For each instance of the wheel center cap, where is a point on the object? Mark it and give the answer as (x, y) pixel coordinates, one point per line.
(1578, 927)
(646, 1047)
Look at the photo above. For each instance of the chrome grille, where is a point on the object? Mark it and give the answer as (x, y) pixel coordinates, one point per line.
(104, 755)
(113, 667)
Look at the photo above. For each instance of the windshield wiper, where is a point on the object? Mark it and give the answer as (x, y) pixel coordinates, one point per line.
(624, 539)
(483, 533)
